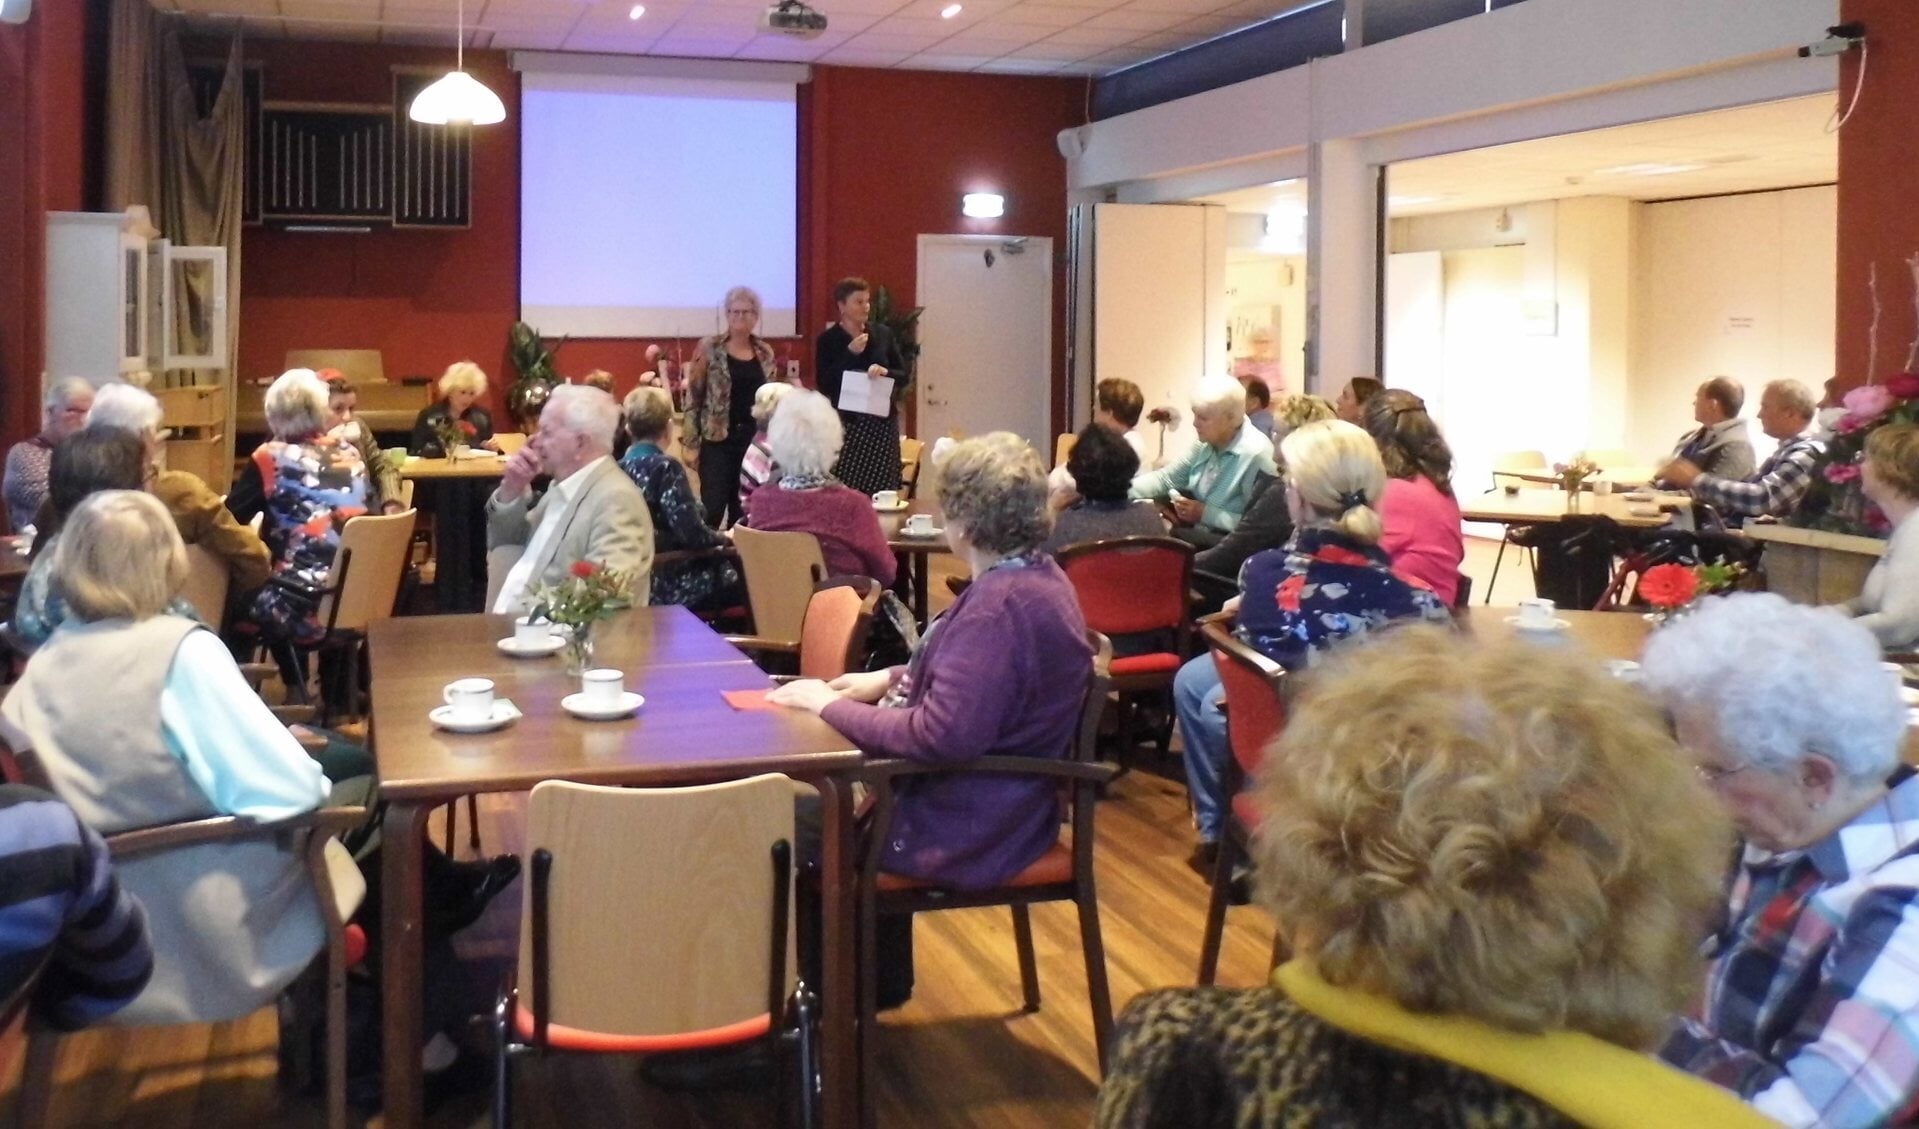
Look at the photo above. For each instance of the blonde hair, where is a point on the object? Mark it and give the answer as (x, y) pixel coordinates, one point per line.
(1893, 451)
(1496, 831)
(462, 376)
(649, 413)
(1337, 471)
(119, 557)
(750, 295)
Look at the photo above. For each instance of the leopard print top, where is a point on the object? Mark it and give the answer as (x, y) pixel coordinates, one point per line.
(1219, 1058)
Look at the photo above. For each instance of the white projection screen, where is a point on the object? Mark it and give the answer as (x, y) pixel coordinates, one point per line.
(644, 199)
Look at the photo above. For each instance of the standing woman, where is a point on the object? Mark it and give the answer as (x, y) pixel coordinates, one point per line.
(722, 380)
(870, 461)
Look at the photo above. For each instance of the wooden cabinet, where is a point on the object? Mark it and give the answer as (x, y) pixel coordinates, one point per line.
(196, 416)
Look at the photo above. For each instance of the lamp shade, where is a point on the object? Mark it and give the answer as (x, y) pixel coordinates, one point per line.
(457, 99)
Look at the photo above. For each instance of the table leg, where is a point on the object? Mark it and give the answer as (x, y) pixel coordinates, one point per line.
(844, 1089)
(401, 835)
(922, 607)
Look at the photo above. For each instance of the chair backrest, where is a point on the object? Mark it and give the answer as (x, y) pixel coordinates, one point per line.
(509, 441)
(838, 617)
(660, 905)
(361, 366)
(1530, 461)
(373, 556)
(206, 586)
(780, 569)
(500, 560)
(1612, 458)
(1063, 447)
(1255, 696)
(1127, 585)
(911, 451)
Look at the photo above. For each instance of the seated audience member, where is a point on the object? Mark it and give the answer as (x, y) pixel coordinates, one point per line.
(1102, 466)
(1785, 414)
(1888, 606)
(1296, 411)
(461, 386)
(1811, 1004)
(1259, 407)
(1493, 870)
(599, 378)
(757, 467)
(61, 907)
(679, 520)
(1718, 445)
(306, 484)
(1422, 534)
(197, 511)
(1208, 487)
(1329, 584)
(592, 512)
(383, 478)
(25, 482)
(1353, 397)
(805, 438)
(1268, 524)
(1117, 405)
(1001, 673)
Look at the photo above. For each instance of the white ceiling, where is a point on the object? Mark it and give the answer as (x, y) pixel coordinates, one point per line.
(1749, 149)
(1036, 37)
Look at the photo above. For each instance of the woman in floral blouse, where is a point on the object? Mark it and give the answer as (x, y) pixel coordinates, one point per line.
(1330, 583)
(679, 523)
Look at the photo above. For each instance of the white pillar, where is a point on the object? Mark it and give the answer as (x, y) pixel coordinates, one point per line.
(1341, 265)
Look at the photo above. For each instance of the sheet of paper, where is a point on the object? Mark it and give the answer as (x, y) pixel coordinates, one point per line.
(747, 699)
(870, 395)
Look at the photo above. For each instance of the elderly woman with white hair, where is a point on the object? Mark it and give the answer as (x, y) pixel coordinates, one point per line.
(200, 516)
(1208, 489)
(805, 439)
(1811, 1008)
(25, 482)
(723, 381)
(306, 483)
(703, 582)
(758, 468)
(461, 386)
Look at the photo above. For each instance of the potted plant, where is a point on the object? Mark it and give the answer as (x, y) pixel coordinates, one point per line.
(905, 325)
(534, 362)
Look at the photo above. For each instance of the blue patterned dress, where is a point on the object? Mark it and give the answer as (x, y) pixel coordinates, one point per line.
(1321, 589)
(679, 523)
(312, 489)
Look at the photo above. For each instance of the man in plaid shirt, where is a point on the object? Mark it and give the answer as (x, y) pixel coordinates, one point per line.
(1786, 410)
(1812, 997)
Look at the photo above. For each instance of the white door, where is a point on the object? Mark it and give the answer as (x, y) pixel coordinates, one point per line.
(986, 338)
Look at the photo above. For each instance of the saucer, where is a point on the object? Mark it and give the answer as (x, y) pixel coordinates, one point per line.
(504, 713)
(576, 705)
(1552, 628)
(1638, 496)
(896, 507)
(512, 646)
(920, 534)
(1625, 670)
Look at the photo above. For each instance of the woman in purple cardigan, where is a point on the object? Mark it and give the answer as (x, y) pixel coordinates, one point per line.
(805, 437)
(1000, 674)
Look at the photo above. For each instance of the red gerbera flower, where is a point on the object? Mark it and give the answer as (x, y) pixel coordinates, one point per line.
(1668, 585)
(584, 569)
(1288, 593)
(468, 428)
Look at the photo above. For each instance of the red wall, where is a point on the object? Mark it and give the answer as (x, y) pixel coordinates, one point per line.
(1878, 185)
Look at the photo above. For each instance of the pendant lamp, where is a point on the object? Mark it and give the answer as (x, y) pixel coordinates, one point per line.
(457, 98)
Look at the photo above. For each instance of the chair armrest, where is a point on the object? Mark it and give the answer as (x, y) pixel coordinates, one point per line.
(1225, 618)
(257, 673)
(300, 715)
(757, 643)
(1093, 772)
(328, 821)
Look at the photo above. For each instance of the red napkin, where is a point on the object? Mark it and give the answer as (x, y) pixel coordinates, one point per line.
(747, 699)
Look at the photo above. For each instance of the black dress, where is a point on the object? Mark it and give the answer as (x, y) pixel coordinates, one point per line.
(720, 459)
(870, 460)
(425, 443)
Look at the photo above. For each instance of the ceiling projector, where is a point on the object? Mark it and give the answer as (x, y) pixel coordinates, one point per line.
(17, 11)
(791, 17)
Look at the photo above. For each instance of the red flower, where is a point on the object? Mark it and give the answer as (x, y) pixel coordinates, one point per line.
(468, 429)
(1334, 554)
(1668, 585)
(1905, 385)
(1288, 593)
(584, 569)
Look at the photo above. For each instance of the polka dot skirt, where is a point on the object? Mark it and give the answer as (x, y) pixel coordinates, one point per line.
(870, 460)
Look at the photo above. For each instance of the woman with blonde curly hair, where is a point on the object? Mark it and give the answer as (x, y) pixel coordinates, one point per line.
(1494, 867)
(461, 386)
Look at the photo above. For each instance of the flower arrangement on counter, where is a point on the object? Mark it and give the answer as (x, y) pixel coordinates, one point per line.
(1835, 502)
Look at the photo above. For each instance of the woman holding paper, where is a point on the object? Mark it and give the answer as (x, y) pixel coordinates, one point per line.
(858, 367)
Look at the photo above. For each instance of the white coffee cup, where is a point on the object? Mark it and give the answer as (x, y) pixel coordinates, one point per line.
(1536, 612)
(603, 686)
(919, 524)
(1602, 486)
(1626, 670)
(886, 499)
(531, 632)
(471, 698)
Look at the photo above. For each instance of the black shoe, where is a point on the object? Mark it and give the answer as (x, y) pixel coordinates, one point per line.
(748, 1067)
(489, 879)
(1204, 859)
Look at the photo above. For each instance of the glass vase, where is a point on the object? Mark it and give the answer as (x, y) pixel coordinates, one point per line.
(578, 651)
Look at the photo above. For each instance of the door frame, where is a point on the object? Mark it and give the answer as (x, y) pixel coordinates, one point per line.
(1039, 245)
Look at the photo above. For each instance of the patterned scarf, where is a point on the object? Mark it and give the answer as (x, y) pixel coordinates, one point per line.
(807, 481)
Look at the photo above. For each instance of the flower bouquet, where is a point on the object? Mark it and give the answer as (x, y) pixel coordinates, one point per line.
(454, 435)
(1168, 419)
(1673, 589)
(589, 594)
(1835, 502)
(1572, 475)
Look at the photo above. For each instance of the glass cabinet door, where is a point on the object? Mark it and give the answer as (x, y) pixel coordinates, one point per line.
(133, 304)
(193, 300)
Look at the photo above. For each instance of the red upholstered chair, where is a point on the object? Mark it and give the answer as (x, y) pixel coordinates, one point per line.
(834, 630)
(1130, 586)
(1255, 714)
(1063, 873)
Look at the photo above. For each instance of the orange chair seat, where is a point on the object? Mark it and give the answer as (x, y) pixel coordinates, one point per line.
(574, 1039)
(1160, 662)
(1246, 810)
(1051, 868)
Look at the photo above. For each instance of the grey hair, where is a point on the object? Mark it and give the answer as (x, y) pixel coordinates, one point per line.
(649, 412)
(62, 391)
(296, 404)
(1794, 396)
(751, 295)
(125, 407)
(805, 435)
(994, 489)
(1219, 394)
(1782, 681)
(768, 398)
(583, 410)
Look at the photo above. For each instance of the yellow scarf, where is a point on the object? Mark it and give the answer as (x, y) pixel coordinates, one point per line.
(1596, 1083)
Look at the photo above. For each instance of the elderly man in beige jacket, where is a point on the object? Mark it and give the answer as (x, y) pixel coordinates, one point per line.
(592, 512)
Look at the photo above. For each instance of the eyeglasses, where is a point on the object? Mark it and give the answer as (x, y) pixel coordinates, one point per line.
(741, 313)
(1713, 774)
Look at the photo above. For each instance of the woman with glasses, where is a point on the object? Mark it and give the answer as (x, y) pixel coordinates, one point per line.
(722, 380)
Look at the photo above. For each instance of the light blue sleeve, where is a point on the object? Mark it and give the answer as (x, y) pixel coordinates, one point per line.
(1154, 484)
(239, 754)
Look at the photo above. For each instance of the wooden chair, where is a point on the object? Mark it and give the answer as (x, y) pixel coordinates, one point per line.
(780, 570)
(206, 586)
(509, 441)
(362, 587)
(361, 366)
(911, 452)
(1255, 688)
(838, 619)
(1510, 461)
(1133, 585)
(1063, 873)
(656, 920)
(1063, 447)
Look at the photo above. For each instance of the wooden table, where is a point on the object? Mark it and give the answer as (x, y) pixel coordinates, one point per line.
(454, 491)
(1608, 635)
(914, 552)
(1812, 566)
(1540, 507)
(685, 734)
(1622, 478)
(478, 466)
